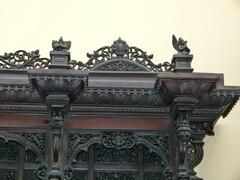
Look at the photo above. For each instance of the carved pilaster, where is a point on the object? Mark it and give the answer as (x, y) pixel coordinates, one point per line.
(181, 109)
(58, 107)
(183, 133)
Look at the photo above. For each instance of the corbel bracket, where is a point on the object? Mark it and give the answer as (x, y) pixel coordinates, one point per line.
(181, 109)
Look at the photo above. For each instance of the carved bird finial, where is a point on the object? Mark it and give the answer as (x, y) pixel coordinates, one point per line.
(180, 45)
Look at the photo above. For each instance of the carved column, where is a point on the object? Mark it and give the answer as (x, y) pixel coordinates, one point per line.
(181, 109)
(58, 107)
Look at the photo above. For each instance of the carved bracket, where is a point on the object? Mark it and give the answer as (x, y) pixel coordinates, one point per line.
(58, 106)
(181, 109)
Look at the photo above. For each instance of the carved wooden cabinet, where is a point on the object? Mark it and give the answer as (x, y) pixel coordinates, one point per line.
(118, 116)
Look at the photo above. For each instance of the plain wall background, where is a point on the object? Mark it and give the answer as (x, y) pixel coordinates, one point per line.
(212, 28)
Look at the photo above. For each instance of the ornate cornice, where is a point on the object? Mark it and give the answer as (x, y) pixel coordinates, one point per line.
(90, 88)
(119, 99)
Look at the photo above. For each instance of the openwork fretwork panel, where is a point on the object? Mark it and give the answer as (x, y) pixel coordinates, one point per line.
(135, 163)
(21, 163)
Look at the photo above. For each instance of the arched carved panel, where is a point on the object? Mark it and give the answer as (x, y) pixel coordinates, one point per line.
(23, 149)
(124, 148)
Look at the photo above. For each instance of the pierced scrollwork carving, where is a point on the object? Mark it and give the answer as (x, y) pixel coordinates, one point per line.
(23, 60)
(158, 144)
(118, 140)
(197, 156)
(26, 144)
(39, 139)
(124, 56)
(119, 65)
(80, 142)
(109, 155)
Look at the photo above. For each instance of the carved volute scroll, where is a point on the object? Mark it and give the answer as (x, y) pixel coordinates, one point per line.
(23, 60)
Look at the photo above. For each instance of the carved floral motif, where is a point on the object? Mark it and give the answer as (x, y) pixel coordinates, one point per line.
(121, 50)
(23, 60)
(118, 140)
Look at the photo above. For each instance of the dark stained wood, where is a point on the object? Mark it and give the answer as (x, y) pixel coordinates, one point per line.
(21, 120)
(133, 123)
(119, 116)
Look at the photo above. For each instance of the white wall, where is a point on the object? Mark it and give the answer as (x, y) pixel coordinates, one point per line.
(212, 28)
